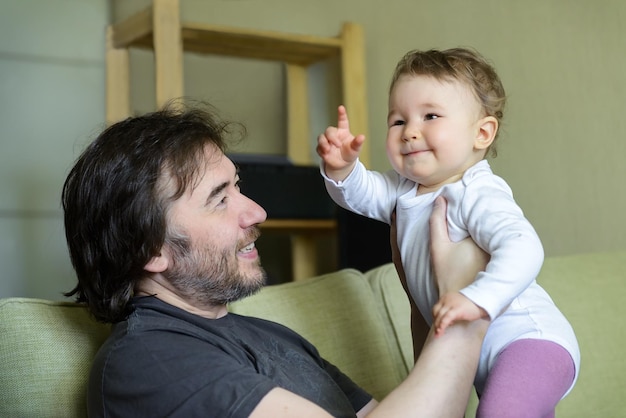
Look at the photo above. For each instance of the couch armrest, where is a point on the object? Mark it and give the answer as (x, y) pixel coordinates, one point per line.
(46, 350)
(396, 311)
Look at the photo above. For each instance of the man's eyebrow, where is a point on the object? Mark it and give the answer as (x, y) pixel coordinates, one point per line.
(216, 191)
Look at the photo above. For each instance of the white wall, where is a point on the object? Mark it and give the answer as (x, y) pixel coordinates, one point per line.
(51, 104)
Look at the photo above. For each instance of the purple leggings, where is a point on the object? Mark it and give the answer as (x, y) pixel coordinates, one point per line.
(527, 380)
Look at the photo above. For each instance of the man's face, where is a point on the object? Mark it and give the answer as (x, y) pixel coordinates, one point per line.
(211, 235)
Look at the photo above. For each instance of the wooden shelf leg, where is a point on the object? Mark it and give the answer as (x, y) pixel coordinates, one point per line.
(298, 131)
(168, 51)
(354, 83)
(303, 256)
(117, 81)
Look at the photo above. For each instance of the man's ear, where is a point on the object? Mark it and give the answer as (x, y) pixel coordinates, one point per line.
(158, 263)
(486, 133)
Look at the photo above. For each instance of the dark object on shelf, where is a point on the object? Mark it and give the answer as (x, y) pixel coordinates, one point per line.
(363, 242)
(285, 191)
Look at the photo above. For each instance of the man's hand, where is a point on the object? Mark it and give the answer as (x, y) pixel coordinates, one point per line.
(454, 307)
(338, 148)
(455, 263)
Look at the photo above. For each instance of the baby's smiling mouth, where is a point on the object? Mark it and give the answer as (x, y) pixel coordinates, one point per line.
(415, 152)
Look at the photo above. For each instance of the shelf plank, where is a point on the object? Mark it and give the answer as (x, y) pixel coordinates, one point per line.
(257, 44)
(309, 225)
(136, 31)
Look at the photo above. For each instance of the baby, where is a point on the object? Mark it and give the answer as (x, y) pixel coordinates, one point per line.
(445, 108)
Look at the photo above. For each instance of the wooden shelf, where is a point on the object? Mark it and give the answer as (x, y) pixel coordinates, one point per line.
(159, 28)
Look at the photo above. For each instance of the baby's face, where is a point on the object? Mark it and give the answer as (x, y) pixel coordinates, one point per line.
(432, 128)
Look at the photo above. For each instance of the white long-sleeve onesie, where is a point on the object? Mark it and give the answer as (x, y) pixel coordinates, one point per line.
(480, 205)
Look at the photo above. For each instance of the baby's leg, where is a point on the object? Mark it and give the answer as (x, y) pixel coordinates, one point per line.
(528, 379)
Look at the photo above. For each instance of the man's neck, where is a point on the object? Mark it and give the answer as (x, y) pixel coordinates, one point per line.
(156, 285)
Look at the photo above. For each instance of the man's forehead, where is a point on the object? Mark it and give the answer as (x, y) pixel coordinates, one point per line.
(218, 169)
(210, 167)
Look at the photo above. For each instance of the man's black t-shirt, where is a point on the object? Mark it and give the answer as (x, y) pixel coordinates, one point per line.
(164, 361)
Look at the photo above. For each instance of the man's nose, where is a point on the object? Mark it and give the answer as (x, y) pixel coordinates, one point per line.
(252, 213)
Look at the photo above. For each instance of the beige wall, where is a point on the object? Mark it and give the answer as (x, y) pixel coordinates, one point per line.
(563, 63)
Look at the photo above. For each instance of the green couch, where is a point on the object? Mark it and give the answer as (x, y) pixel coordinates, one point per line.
(358, 321)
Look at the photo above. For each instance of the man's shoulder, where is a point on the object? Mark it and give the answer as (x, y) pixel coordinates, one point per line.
(154, 323)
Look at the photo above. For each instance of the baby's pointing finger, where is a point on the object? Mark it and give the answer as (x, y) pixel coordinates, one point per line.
(342, 118)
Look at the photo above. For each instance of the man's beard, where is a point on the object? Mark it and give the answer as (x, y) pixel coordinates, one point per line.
(210, 277)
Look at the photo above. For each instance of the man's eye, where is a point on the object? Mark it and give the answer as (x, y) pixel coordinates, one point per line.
(431, 116)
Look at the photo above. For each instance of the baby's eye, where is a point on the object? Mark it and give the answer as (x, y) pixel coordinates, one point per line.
(397, 123)
(431, 116)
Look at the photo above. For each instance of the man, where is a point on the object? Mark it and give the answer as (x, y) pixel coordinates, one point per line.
(162, 240)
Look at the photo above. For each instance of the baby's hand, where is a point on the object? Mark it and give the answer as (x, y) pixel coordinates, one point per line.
(338, 148)
(454, 307)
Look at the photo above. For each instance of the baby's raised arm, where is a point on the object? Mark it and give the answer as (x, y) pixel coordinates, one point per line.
(338, 148)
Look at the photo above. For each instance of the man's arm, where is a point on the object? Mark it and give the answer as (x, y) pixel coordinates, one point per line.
(280, 403)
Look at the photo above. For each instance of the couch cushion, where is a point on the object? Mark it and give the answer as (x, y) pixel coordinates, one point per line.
(46, 349)
(337, 313)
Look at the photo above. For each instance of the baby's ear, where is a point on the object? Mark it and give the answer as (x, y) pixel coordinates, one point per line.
(486, 132)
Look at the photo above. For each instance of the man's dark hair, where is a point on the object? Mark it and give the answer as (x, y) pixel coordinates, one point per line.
(115, 201)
